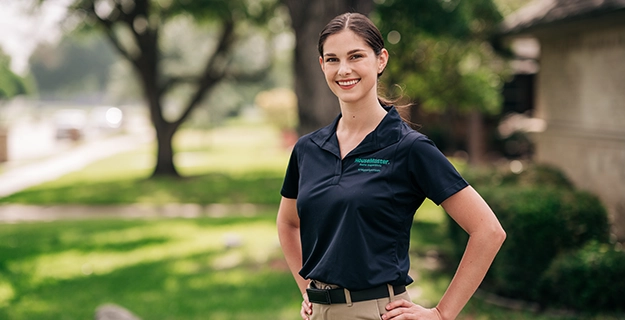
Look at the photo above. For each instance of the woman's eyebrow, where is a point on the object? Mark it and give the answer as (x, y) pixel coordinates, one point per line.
(354, 51)
(348, 53)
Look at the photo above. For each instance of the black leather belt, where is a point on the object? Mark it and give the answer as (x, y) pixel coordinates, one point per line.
(330, 296)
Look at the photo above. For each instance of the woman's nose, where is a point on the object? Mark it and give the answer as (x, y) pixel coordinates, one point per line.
(344, 69)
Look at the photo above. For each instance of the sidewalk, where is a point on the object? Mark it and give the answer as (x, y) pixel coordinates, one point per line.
(14, 213)
(20, 178)
(25, 176)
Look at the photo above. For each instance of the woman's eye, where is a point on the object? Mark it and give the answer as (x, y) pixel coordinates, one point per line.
(331, 59)
(356, 56)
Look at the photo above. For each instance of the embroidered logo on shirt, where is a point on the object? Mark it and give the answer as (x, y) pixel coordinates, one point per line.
(371, 164)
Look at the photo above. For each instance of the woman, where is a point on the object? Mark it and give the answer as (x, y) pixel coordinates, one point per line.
(351, 190)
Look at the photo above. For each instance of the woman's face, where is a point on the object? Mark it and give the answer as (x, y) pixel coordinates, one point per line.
(351, 67)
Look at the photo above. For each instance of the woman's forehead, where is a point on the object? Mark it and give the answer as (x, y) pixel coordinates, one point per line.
(343, 42)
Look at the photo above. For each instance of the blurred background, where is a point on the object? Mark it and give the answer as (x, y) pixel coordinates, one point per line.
(143, 145)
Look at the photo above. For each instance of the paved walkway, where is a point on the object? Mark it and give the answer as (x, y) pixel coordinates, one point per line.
(14, 180)
(17, 179)
(14, 213)
(25, 176)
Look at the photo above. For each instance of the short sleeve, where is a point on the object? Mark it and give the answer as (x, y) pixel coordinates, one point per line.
(290, 186)
(432, 172)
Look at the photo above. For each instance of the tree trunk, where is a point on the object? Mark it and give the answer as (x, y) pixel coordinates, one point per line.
(165, 152)
(164, 130)
(475, 139)
(317, 105)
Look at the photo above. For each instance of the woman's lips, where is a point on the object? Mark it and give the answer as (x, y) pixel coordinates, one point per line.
(347, 84)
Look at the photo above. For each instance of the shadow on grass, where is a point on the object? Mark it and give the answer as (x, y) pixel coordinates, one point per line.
(21, 241)
(182, 269)
(162, 291)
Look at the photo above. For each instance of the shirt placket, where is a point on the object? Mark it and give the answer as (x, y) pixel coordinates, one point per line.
(338, 171)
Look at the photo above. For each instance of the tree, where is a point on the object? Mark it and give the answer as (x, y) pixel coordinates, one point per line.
(441, 58)
(317, 105)
(10, 84)
(134, 28)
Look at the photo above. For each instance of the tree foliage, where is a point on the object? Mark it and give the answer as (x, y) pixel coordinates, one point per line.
(439, 53)
(77, 64)
(10, 84)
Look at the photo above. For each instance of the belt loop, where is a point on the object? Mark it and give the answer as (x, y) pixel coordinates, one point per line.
(348, 297)
(391, 292)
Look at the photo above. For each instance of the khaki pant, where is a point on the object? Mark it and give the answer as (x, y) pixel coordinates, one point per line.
(363, 310)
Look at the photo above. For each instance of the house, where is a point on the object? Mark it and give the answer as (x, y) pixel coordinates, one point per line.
(579, 91)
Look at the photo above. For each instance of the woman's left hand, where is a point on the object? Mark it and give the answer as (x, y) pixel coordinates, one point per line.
(403, 309)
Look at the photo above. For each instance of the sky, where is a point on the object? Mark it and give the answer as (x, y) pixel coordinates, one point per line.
(21, 28)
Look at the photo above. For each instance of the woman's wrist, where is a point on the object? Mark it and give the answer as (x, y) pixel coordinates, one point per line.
(439, 313)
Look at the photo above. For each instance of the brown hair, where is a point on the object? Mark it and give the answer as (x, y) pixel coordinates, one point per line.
(360, 25)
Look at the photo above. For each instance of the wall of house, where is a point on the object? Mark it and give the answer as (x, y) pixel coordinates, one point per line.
(581, 95)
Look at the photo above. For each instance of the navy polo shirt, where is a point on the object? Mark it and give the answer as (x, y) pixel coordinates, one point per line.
(356, 213)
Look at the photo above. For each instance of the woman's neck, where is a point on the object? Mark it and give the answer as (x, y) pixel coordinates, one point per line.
(361, 117)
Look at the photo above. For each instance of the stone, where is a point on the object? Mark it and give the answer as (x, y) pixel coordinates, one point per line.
(114, 312)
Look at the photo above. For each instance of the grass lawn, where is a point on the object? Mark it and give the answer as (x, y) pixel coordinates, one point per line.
(226, 268)
(202, 268)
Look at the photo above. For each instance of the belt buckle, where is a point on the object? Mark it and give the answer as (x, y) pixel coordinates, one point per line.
(321, 296)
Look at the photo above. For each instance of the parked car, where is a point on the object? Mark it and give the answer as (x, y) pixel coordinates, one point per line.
(70, 124)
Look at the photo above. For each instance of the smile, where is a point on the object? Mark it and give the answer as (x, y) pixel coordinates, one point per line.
(348, 82)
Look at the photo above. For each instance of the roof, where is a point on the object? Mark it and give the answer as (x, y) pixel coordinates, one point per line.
(543, 12)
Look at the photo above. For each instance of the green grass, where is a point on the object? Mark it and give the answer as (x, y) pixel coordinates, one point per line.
(259, 188)
(159, 269)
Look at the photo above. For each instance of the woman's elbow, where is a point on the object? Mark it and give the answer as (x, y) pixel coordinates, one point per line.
(492, 233)
(498, 234)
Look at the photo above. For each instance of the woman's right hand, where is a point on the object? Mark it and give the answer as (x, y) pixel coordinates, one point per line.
(306, 311)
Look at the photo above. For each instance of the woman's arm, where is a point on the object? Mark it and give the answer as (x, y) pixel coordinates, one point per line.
(486, 236)
(288, 232)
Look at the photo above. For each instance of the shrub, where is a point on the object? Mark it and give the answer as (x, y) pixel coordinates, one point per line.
(540, 223)
(543, 217)
(589, 279)
(534, 175)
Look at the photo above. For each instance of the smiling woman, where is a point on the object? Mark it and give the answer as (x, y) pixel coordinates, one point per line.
(351, 191)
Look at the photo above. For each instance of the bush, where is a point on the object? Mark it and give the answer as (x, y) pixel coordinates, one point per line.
(543, 217)
(534, 175)
(589, 279)
(540, 223)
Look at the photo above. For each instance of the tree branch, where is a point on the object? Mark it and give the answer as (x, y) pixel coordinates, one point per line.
(171, 82)
(108, 29)
(255, 76)
(212, 72)
(225, 42)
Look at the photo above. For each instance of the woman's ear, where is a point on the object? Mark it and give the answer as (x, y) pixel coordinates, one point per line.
(382, 60)
(321, 63)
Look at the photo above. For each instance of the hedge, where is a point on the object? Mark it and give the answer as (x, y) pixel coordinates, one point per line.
(543, 217)
(590, 279)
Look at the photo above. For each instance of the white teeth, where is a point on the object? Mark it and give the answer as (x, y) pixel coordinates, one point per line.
(347, 83)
